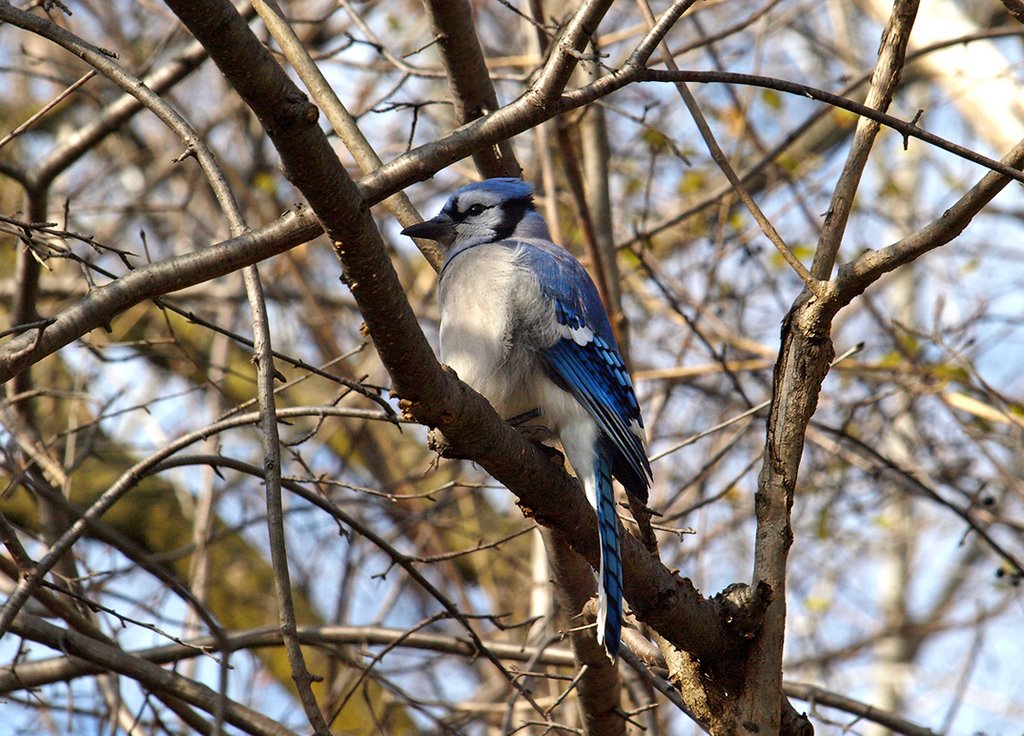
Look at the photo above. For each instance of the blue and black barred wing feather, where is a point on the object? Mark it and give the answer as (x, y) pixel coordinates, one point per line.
(586, 362)
(591, 369)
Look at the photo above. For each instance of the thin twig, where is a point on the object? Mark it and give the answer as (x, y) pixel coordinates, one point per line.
(32, 120)
(719, 157)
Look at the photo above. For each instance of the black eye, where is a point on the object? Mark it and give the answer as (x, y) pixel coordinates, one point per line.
(475, 210)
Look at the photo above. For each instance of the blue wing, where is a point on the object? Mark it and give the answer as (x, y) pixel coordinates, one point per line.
(586, 362)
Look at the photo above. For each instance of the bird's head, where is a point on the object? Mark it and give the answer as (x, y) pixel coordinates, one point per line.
(484, 212)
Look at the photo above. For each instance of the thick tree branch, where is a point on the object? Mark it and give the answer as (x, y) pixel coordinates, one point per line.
(801, 368)
(341, 120)
(566, 53)
(1015, 8)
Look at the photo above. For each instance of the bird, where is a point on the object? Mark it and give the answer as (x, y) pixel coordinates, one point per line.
(523, 324)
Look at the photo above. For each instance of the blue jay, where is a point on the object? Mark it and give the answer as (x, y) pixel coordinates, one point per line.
(523, 324)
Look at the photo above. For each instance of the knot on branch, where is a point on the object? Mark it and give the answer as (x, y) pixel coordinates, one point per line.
(294, 110)
(408, 407)
(299, 109)
(743, 606)
(437, 442)
(795, 723)
(529, 513)
(661, 599)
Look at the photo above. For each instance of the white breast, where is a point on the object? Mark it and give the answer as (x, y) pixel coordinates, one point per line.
(478, 295)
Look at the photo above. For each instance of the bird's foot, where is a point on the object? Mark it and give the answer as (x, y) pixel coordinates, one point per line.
(520, 419)
(532, 432)
(536, 433)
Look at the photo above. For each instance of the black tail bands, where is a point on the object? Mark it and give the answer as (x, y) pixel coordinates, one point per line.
(609, 611)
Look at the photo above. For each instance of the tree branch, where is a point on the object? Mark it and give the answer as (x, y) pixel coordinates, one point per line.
(339, 117)
(101, 305)
(152, 676)
(566, 53)
(886, 77)
(472, 92)
(854, 277)
(599, 687)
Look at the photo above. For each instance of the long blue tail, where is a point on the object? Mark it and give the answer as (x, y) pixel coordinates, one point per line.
(609, 598)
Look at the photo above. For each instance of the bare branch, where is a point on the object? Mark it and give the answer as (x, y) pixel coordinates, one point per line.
(472, 92)
(856, 276)
(339, 117)
(150, 675)
(886, 77)
(300, 226)
(820, 696)
(723, 163)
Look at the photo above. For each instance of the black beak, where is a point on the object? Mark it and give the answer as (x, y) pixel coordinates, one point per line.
(440, 228)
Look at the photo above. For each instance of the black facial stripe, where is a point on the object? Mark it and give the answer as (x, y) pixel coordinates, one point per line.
(514, 210)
